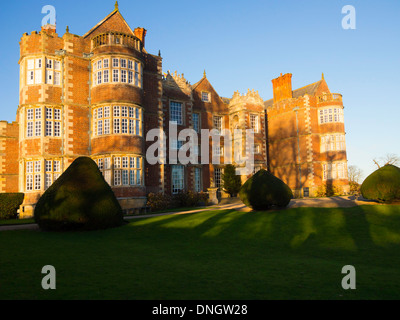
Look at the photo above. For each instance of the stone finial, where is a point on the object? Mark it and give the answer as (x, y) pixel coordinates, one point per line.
(204, 74)
(323, 77)
(116, 5)
(159, 53)
(67, 30)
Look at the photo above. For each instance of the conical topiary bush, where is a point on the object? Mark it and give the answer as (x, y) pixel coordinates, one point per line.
(79, 200)
(382, 185)
(263, 191)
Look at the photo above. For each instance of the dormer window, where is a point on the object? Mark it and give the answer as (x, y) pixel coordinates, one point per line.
(205, 96)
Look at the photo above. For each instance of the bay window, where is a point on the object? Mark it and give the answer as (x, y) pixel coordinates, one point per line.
(334, 170)
(124, 120)
(333, 142)
(125, 170)
(330, 115)
(48, 118)
(120, 70)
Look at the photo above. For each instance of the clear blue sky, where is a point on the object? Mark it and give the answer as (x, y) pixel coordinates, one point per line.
(246, 44)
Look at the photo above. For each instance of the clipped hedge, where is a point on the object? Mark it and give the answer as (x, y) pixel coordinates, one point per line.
(189, 199)
(159, 201)
(9, 204)
(328, 190)
(382, 185)
(264, 191)
(79, 200)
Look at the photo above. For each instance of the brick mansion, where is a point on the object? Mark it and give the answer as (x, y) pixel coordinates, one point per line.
(98, 95)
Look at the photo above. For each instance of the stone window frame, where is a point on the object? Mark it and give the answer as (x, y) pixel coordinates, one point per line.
(38, 173)
(255, 122)
(34, 70)
(131, 120)
(54, 120)
(333, 142)
(330, 170)
(53, 71)
(330, 114)
(115, 167)
(198, 129)
(218, 171)
(37, 124)
(205, 96)
(218, 126)
(197, 179)
(43, 70)
(175, 113)
(117, 70)
(53, 174)
(177, 178)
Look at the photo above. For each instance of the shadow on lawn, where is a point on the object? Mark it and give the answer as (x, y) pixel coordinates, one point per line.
(343, 229)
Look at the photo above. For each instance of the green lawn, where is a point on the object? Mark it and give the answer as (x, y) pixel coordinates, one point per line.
(290, 254)
(32, 220)
(16, 222)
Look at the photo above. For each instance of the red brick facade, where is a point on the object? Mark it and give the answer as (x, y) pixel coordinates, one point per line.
(98, 95)
(306, 136)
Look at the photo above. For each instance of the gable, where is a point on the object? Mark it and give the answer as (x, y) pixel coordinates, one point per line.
(113, 22)
(205, 86)
(322, 88)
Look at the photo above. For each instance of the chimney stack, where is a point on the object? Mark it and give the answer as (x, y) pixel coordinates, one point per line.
(282, 87)
(140, 33)
(49, 28)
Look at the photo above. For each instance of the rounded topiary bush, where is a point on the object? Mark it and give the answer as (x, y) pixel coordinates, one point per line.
(79, 200)
(382, 185)
(263, 191)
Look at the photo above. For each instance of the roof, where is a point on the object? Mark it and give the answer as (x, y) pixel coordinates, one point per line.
(310, 89)
(269, 103)
(226, 100)
(116, 11)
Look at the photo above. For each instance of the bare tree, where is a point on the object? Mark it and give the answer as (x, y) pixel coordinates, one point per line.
(390, 158)
(355, 174)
